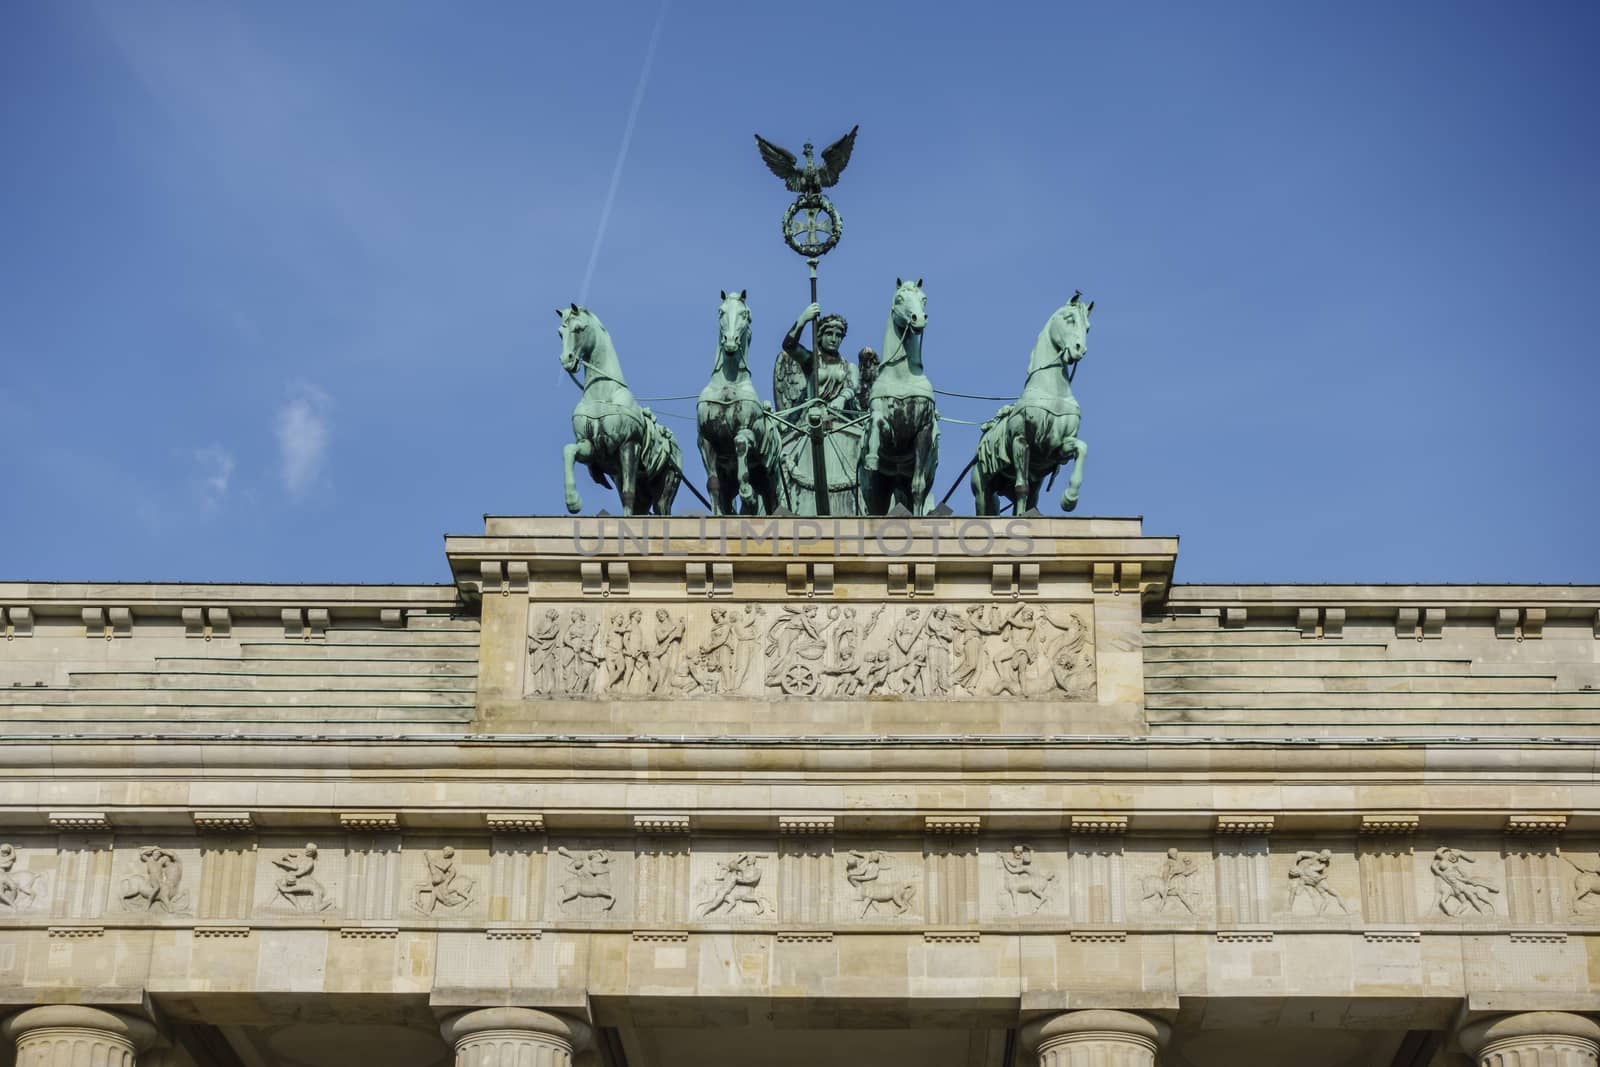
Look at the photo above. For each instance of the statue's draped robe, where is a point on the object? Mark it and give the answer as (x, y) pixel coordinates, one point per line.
(839, 388)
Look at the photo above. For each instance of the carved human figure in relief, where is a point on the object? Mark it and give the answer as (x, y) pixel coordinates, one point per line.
(544, 654)
(909, 655)
(795, 649)
(1585, 885)
(299, 885)
(736, 884)
(1067, 653)
(18, 889)
(578, 659)
(974, 626)
(446, 886)
(1172, 883)
(588, 878)
(1309, 877)
(746, 636)
(666, 650)
(941, 633)
(866, 872)
(1022, 880)
(159, 883)
(1455, 891)
(618, 660)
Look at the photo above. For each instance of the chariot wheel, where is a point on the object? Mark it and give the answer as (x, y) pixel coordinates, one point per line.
(798, 681)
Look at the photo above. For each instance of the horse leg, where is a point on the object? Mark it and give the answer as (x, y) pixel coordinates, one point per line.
(1069, 495)
(670, 481)
(708, 457)
(982, 499)
(575, 452)
(742, 442)
(628, 474)
(1019, 456)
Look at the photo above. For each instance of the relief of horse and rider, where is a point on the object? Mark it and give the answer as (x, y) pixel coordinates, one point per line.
(836, 437)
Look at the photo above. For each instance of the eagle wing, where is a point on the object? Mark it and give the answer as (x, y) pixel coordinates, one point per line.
(836, 157)
(781, 162)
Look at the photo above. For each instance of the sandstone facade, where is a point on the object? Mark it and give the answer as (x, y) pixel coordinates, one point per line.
(660, 792)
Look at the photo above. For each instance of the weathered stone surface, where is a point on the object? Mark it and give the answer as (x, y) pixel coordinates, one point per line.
(1219, 822)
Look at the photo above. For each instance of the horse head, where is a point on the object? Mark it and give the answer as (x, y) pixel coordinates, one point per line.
(910, 309)
(1068, 329)
(733, 318)
(578, 336)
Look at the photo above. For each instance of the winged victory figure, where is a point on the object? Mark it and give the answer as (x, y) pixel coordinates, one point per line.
(811, 179)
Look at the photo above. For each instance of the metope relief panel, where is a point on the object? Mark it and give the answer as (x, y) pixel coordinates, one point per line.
(590, 880)
(1171, 881)
(879, 882)
(1313, 882)
(944, 651)
(28, 873)
(296, 876)
(1021, 880)
(1579, 875)
(1462, 880)
(154, 880)
(735, 881)
(444, 879)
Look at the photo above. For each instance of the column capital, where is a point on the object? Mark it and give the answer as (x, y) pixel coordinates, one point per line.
(528, 1025)
(1574, 1038)
(1097, 1034)
(42, 1033)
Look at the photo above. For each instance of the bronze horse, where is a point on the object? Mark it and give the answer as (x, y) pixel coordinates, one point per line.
(738, 439)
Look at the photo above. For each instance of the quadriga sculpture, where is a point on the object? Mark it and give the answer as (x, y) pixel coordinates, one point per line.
(1028, 440)
(739, 441)
(615, 437)
(902, 445)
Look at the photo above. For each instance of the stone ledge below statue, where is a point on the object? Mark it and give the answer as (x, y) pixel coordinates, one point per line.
(809, 718)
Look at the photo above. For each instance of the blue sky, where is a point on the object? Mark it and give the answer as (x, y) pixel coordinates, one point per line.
(278, 279)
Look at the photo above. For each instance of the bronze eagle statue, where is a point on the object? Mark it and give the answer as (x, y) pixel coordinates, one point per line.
(811, 179)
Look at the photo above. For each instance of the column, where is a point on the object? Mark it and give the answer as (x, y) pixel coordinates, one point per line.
(1533, 1039)
(512, 1037)
(1096, 1038)
(69, 1035)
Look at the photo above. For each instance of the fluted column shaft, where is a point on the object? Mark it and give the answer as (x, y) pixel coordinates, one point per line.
(1096, 1038)
(1534, 1039)
(513, 1037)
(69, 1035)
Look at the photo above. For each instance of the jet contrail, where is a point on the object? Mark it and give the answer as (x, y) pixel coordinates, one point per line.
(622, 152)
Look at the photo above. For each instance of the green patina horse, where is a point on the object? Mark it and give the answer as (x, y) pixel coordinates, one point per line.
(1028, 440)
(615, 436)
(902, 445)
(739, 441)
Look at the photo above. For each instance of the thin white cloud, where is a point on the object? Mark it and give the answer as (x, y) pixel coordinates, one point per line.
(215, 471)
(304, 430)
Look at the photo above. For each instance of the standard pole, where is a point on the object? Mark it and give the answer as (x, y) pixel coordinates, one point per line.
(819, 455)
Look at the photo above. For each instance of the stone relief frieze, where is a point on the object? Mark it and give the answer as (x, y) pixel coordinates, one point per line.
(870, 874)
(736, 882)
(20, 890)
(447, 888)
(1456, 890)
(298, 886)
(1021, 878)
(1308, 880)
(156, 883)
(833, 651)
(587, 883)
(1174, 884)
